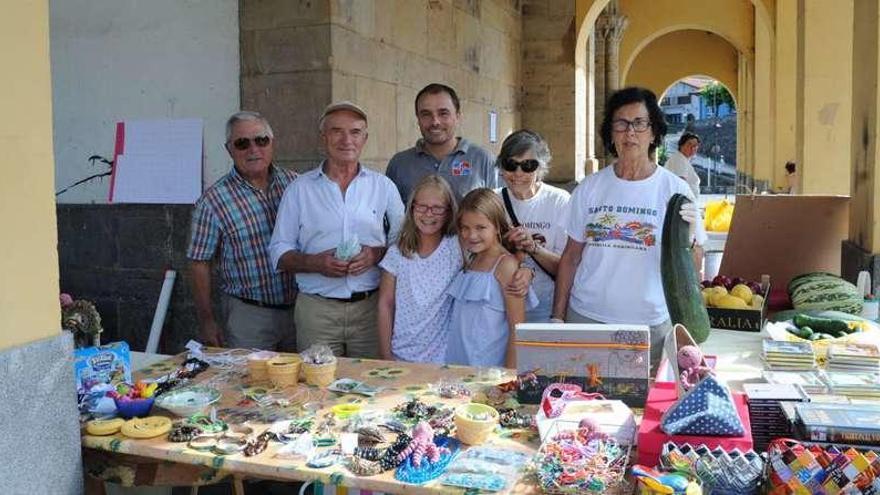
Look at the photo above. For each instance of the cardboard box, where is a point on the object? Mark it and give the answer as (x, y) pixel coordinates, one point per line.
(651, 438)
(746, 320)
(613, 360)
(784, 236)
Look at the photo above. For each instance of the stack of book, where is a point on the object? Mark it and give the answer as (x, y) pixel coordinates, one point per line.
(779, 355)
(765, 410)
(853, 424)
(844, 356)
(810, 381)
(856, 385)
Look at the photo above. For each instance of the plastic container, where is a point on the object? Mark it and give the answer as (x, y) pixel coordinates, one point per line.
(283, 371)
(188, 401)
(475, 431)
(134, 408)
(320, 375)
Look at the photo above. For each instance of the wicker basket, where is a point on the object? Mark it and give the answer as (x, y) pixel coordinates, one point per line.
(256, 363)
(284, 370)
(474, 431)
(320, 375)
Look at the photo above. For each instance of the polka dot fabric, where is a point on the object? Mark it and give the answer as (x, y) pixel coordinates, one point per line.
(707, 409)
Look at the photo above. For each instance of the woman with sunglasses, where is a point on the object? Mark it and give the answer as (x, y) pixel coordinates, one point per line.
(538, 212)
(610, 268)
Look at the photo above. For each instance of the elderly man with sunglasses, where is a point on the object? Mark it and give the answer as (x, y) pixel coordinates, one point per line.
(232, 224)
(333, 225)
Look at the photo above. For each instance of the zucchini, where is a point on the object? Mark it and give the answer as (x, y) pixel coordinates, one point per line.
(825, 325)
(680, 284)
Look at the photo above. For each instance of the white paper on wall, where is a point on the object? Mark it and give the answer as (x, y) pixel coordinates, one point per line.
(159, 161)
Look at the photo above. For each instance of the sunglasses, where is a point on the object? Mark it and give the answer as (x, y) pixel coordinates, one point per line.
(242, 144)
(527, 166)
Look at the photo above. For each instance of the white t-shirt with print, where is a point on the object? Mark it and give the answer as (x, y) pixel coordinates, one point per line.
(422, 307)
(621, 223)
(545, 213)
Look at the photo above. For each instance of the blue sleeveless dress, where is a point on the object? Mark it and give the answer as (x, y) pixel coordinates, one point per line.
(478, 326)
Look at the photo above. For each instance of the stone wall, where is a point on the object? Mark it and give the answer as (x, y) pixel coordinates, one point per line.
(297, 56)
(548, 79)
(116, 256)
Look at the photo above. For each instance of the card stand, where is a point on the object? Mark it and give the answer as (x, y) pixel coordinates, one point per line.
(722, 472)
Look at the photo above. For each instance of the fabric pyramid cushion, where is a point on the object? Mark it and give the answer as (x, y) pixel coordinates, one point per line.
(706, 409)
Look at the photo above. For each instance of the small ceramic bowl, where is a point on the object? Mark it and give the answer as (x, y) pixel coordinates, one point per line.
(188, 401)
(134, 408)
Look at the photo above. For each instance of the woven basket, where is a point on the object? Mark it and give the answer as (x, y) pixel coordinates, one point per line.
(256, 363)
(283, 370)
(320, 375)
(474, 431)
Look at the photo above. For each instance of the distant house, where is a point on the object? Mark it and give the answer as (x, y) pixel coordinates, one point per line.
(683, 99)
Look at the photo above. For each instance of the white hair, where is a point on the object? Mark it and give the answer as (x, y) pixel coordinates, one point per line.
(247, 116)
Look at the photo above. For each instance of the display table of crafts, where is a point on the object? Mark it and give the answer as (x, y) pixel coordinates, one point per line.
(159, 461)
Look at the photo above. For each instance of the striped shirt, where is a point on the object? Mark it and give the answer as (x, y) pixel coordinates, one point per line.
(237, 218)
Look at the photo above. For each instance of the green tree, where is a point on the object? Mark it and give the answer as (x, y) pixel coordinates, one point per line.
(714, 94)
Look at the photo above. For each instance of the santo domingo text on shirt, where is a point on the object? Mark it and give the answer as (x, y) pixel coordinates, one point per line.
(633, 210)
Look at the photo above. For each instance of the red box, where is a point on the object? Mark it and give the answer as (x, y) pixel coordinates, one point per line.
(651, 438)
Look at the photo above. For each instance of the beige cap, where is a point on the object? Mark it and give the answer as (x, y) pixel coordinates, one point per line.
(343, 105)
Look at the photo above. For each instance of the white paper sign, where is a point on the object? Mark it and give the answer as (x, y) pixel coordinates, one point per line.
(161, 162)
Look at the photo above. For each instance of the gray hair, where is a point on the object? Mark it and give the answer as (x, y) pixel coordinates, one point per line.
(247, 116)
(523, 141)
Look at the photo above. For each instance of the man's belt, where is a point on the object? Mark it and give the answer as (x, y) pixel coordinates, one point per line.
(355, 296)
(264, 305)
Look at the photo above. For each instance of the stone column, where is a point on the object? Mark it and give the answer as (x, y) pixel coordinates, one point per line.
(610, 27)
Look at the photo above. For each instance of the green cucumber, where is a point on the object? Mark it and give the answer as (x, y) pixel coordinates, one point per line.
(680, 283)
(826, 325)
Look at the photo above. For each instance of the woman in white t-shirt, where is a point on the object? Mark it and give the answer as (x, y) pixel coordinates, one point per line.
(610, 269)
(538, 211)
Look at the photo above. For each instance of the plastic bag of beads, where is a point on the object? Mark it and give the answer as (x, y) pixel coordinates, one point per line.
(485, 468)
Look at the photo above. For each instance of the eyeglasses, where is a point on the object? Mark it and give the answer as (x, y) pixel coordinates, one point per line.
(435, 210)
(638, 125)
(242, 144)
(527, 166)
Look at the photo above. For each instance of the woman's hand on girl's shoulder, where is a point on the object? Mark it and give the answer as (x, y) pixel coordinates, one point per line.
(513, 278)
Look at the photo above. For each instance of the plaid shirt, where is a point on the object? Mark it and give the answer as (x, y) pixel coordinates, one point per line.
(237, 218)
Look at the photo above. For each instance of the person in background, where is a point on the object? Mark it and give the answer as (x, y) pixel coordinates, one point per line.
(231, 225)
(792, 182)
(679, 162)
(538, 211)
(610, 269)
(331, 232)
(482, 328)
(441, 151)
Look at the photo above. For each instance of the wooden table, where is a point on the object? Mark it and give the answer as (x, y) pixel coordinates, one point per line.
(159, 462)
(136, 462)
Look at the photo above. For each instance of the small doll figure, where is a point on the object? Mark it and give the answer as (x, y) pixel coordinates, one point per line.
(690, 362)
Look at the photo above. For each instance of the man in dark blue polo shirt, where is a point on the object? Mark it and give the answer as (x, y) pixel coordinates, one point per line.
(440, 151)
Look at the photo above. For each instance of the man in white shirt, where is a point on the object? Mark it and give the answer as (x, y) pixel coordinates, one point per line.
(679, 162)
(340, 204)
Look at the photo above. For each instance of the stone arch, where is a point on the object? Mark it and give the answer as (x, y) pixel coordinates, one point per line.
(695, 63)
(587, 11)
(699, 52)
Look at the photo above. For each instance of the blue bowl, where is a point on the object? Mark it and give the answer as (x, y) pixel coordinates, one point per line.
(134, 408)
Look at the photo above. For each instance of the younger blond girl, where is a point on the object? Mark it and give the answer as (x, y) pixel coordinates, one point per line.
(482, 326)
